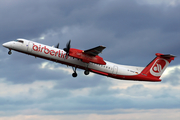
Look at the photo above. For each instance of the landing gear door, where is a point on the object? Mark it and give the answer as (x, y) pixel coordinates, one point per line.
(30, 45)
(115, 70)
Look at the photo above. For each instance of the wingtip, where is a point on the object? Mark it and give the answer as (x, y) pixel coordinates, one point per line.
(102, 46)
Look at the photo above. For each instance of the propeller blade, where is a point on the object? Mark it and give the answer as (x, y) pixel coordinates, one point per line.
(57, 46)
(68, 46)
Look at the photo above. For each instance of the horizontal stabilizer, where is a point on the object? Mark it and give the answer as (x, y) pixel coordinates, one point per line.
(167, 56)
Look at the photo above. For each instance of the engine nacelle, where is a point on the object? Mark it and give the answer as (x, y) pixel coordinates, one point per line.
(76, 53)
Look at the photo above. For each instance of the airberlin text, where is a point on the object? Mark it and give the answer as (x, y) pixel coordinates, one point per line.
(46, 50)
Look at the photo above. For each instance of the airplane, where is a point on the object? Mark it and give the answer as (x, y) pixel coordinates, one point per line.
(90, 61)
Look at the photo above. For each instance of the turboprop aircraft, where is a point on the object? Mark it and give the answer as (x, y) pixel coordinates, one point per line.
(90, 61)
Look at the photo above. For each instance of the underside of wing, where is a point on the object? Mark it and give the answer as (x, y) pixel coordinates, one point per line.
(95, 51)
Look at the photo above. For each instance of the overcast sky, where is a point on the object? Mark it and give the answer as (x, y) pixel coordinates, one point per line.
(132, 31)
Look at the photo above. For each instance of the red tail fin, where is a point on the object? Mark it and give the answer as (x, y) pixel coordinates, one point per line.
(157, 66)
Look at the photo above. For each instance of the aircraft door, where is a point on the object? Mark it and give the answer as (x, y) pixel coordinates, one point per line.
(115, 70)
(30, 45)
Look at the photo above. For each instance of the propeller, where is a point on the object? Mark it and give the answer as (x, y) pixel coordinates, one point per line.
(57, 46)
(68, 46)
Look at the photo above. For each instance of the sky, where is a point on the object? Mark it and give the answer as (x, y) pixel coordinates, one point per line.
(132, 31)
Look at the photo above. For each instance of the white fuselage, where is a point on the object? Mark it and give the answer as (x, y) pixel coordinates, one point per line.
(59, 55)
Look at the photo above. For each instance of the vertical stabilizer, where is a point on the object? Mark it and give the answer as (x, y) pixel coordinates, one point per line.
(157, 66)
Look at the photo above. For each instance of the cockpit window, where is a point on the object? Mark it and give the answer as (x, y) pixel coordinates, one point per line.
(21, 41)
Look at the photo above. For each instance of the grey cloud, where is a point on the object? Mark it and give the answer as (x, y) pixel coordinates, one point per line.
(130, 28)
(29, 19)
(99, 99)
(132, 33)
(82, 81)
(27, 72)
(104, 91)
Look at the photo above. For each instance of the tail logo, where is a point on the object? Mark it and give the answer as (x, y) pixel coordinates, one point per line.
(158, 67)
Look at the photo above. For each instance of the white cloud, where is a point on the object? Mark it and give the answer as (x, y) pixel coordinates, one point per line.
(121, 114)
(55, 67)
(169, 71)
(35, 90)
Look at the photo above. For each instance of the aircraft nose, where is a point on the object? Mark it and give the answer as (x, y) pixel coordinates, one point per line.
(7, 45)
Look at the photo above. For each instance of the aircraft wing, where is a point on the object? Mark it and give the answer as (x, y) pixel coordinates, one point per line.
(94, 51)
